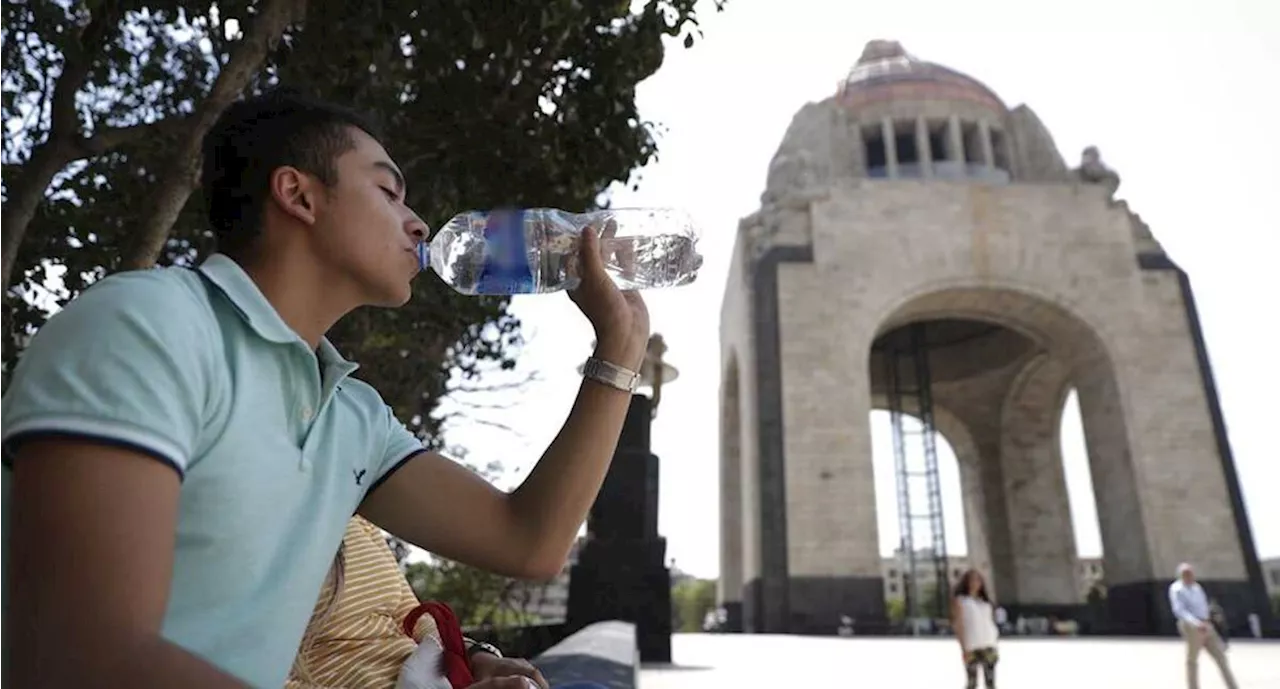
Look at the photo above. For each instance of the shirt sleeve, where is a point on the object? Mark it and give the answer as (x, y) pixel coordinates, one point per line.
(126, 363)
(399, 448)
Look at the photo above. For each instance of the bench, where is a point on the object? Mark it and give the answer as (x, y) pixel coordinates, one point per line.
(604, 653)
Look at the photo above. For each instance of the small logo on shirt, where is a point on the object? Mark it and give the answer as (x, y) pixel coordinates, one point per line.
(359, 475)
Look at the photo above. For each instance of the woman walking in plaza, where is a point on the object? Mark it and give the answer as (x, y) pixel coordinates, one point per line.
(973, 620)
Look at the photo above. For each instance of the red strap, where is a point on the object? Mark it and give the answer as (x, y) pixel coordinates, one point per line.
(454, 661)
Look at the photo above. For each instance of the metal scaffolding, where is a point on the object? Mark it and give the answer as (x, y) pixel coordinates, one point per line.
(923, 544)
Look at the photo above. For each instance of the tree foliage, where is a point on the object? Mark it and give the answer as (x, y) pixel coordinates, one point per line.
(479, 598)
(691, 600)
(932, 604)
(527, 103)
(895, 609)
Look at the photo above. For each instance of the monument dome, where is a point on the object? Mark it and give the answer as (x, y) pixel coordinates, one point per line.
(886, 72)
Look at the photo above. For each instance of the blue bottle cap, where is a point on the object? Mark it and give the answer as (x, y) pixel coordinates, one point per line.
(424, 256)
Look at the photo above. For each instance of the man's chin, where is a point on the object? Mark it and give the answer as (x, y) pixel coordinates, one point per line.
(392, 299)
(397, 301)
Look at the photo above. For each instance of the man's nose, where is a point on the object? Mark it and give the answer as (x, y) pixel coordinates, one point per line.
(417, 228)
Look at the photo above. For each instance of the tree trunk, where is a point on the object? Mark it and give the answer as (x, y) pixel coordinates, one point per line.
(177, 182)
(183, 170)
(25, 196)
(60, 148)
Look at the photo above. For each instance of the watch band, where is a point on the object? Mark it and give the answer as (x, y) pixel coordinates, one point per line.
(474, 647)
(610, 374)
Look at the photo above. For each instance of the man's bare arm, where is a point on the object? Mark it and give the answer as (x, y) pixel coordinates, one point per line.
(441, 506)
(91, 557)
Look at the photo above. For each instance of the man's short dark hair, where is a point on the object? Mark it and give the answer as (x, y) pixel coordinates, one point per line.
(254, 137)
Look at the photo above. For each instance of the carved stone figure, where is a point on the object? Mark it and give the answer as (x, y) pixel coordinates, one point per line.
(654, 366)
(1093, 171)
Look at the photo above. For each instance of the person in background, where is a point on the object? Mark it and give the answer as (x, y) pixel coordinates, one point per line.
(369, 630)
(1190, 607)
(367, 623)
(973, 620)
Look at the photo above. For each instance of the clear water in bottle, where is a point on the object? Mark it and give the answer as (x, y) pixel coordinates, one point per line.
(536, 250)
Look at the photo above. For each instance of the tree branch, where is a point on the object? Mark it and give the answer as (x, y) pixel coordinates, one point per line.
(483, 422)
(530, 377)
(182, 174)
(105, 139)
(59, 148)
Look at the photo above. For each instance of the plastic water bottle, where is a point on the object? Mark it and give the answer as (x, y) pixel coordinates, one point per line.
(536, 250)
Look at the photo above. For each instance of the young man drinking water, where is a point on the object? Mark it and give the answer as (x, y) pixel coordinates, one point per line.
(186, 447)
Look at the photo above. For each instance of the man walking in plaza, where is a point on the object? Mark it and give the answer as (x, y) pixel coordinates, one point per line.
(1191, 610)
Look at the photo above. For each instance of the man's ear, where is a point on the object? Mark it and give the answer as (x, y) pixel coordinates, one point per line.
(295, 192)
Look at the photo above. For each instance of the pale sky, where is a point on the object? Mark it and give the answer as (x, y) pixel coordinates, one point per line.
(1180, 98)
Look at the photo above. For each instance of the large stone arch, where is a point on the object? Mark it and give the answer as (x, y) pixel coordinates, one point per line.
(1012, 415)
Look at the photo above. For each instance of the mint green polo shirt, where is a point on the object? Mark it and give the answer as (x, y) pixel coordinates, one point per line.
(276, 444)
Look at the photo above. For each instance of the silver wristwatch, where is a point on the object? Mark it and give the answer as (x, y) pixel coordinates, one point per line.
(614, 376)
(473, 647)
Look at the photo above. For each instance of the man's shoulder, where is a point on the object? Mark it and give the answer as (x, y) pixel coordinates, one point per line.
(136, 316)
(172, 295)
(363, 395)
(367, 404)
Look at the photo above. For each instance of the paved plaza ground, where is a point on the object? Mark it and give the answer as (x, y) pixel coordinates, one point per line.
(790, 662)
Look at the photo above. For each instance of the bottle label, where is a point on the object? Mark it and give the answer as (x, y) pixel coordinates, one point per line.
(506, 267)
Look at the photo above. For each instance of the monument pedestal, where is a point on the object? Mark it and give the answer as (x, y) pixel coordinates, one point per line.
(621, 572)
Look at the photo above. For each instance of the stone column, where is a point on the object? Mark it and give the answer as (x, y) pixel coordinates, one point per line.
(848, 151)
(975, 522)
(922, 145)
(984, 137)
(1035, 490)
(731, 503)
(955, 152)
(826, 475)
(968, 462)
(890, 147)
(1020, 501)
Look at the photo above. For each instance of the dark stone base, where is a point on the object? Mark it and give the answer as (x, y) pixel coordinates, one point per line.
(627, 505)
(815, 605)
(753, 609)
(1142, 608)
(732, 617)
(619, 580)
(818, 603)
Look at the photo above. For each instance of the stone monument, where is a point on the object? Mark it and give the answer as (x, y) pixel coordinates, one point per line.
(621, 573)
(915, 197)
